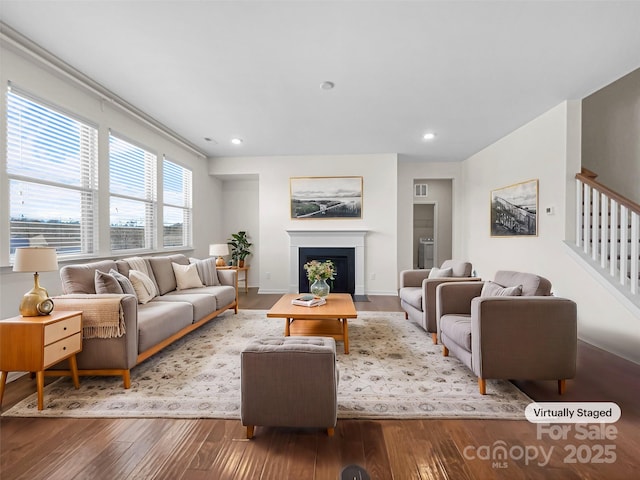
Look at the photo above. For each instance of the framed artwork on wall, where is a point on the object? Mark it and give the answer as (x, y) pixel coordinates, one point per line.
(325, 197)
(514, 210)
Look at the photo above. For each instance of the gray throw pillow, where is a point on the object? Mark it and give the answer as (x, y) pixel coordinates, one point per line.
(125, 283)
(106, 283)
(492, 289)
(207, 271)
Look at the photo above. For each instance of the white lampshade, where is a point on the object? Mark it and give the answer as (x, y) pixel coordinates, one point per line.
(218, 249)
(35, 259)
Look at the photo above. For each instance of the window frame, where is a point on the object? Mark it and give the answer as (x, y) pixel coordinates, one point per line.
(88, 182)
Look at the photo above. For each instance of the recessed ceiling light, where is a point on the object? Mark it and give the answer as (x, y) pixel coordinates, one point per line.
(236, 141)
(327, 85)
(429, 136)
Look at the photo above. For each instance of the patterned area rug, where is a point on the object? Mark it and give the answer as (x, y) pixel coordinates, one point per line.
(392, 371)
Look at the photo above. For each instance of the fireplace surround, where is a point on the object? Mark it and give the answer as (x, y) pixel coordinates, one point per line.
(340, 239)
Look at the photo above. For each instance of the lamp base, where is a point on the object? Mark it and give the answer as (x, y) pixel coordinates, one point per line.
(220, 262)
(30, 304)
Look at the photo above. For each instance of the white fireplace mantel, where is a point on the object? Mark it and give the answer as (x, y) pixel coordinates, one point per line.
(327, 238)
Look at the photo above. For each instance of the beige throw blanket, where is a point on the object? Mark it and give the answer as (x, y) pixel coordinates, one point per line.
(102, 315)
(138, 263)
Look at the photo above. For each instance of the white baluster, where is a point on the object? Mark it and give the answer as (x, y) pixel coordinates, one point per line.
(634, 253)
(613, 245)
(595, 223)
(624, 243)
(604, 232)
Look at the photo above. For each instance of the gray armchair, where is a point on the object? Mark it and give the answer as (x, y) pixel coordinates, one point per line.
(418, 292)
(532, 336)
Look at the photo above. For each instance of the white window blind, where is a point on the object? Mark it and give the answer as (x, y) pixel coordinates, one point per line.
(132, 185)
(53, 177)
(177, 205)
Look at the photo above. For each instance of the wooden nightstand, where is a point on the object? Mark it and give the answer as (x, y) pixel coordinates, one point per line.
(33, 344)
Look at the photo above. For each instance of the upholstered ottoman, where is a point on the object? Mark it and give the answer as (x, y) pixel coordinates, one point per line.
(289, 382)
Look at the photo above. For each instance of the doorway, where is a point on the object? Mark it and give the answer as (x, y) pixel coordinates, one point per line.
(424, 235)
(432, 222)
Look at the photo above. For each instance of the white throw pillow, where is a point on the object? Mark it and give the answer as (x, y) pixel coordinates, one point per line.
(186, 276)
(492, 289)
(441, 272)
(143, 285)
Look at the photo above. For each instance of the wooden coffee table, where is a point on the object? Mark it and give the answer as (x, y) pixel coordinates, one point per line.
(328, 320)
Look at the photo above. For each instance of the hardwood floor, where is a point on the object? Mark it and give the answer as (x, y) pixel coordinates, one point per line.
(389, 449)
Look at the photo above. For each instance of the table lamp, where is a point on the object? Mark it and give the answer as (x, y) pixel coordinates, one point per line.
(35, 259)
(219, 250)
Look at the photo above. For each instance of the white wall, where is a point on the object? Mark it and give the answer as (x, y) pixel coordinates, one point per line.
(610, 144)
(379, 208)
(544, 149)
(30, 75)
(241, 212)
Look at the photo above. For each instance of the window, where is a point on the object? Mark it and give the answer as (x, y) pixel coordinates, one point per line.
(176, 209)
(132, 187)
(53, 180)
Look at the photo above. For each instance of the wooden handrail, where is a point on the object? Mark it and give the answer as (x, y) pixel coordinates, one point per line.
(589, 179)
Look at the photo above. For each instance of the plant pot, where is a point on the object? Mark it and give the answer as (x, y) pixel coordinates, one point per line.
(241, 263)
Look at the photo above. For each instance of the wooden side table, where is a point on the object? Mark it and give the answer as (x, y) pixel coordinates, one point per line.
(33, 344)
(244, 269)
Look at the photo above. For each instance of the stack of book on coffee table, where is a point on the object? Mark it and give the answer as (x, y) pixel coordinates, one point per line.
(308, 300)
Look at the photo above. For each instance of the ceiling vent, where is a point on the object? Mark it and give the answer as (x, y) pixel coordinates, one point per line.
(421, 189)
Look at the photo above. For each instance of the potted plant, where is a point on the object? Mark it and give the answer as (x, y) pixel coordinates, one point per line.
(240, 247)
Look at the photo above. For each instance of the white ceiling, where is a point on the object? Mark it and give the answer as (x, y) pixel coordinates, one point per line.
(470, 71)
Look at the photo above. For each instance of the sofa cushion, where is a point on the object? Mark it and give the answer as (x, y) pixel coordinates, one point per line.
(203, 305)
(106, 283)
(143, 285)
(207, 270)
(163, 271)
(157, 321)
(492, 289)
(81, 278)
(457, 328)
(440, 272)
(186, 276)
(532, 285)
(412, 296)
(224, 294)
(125, 283)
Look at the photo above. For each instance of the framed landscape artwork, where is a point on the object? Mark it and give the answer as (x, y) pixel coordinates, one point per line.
(514, 210)
(326, 197)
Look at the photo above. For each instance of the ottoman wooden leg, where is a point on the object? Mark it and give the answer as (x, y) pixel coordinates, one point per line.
(250, 431)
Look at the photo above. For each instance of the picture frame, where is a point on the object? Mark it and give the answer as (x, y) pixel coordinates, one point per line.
(514, 210)
(325, 197)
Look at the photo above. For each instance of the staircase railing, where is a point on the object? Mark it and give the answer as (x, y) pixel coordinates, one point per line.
(607, 231)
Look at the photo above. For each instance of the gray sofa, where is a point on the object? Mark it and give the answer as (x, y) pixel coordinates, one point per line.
(418, 292)
(143, 328)
(511, 328)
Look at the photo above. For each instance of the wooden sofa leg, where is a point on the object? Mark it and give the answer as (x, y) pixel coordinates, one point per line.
(482, 385)
(562, 386)
(434, 338)
(250, 431)
(330, 431)
(445, 351)
(126, 378)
